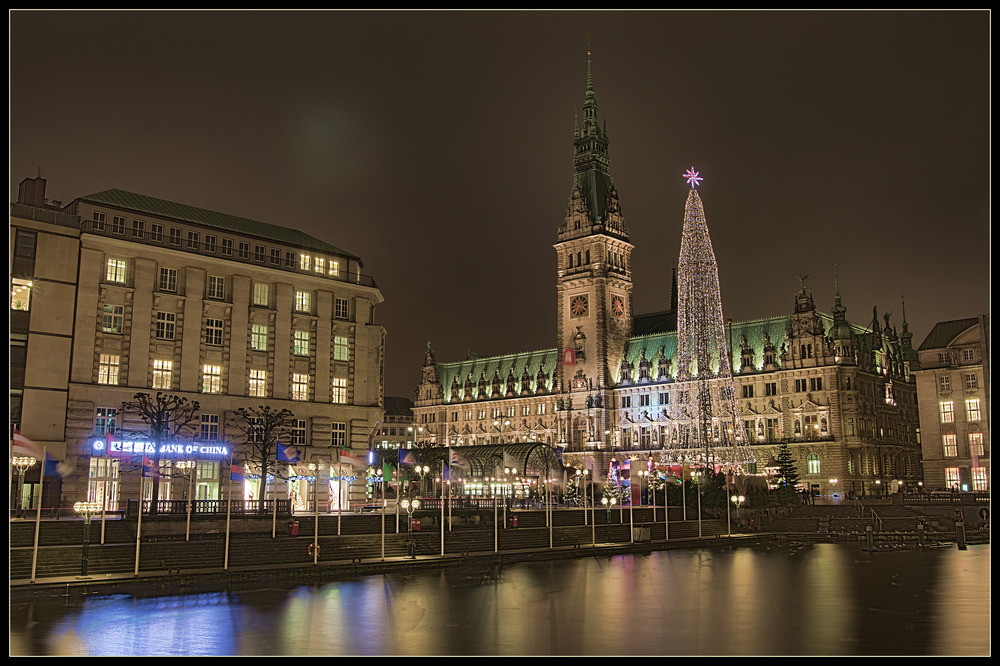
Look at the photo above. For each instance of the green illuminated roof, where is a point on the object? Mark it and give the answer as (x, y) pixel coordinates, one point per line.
(518, 366)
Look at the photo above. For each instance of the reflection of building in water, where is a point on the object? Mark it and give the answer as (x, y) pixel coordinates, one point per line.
(838, 393)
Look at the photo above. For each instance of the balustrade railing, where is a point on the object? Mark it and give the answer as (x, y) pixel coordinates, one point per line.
(208, 507)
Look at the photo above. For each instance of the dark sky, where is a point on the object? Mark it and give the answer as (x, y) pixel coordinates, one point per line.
(437, 146)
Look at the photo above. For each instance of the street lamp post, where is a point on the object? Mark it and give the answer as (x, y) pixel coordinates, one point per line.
(316, 468)
(410, 506)
(23, 464)
(738, 501)
(86, 509)
(610, 505)
(187, 467)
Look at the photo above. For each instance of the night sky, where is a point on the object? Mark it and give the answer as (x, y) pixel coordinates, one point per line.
(437, 146)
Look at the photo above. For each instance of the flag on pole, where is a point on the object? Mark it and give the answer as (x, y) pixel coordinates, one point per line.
(148, 467)
(236, 472)
(25, 447)
(406, 457)
(457, 459)
(288, 453)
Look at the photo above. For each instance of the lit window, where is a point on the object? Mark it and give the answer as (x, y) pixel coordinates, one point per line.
(972, 409)
(116, 270)
(341, 350)
(258, 383)
(339, 391)
(258, 337)
(950, 445)
(979, 479)
(300, 345)
(300, 386)
(305, 262)
(947, 412)
(211, 379)
(20, 294)
(302, 299)
(951, 477)
(260, 294)
(107, 369)
(162, 374)
(976, 443)
(334, 268)
(319, 265)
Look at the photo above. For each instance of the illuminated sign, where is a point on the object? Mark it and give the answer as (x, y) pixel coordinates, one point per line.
(120, 447)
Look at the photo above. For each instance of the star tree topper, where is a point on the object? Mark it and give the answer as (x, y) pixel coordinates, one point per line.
(693, 178)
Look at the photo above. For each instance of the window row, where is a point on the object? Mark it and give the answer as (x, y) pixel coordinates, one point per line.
(969, 379)
(973, 411)
(212, 244)
(165, 328)
(108, 373)
(209, 428)
(949, 444)
(116, 271)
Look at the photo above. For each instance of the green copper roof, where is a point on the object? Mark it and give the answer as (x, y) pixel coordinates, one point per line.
(653, 345)
(488, 367)
(221, 221)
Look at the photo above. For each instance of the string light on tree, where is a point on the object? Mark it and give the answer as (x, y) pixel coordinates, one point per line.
(706, 406)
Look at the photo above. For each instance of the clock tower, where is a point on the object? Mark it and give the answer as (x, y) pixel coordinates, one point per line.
(594, 282)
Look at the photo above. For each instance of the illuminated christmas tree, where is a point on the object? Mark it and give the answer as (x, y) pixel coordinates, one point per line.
(704, 398)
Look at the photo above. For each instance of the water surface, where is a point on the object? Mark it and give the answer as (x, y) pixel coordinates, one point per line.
(823, 599)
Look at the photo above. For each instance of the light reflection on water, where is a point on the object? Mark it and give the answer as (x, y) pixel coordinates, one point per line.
(824, 599)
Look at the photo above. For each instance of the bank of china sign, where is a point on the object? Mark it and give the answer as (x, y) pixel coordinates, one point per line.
(127, 447)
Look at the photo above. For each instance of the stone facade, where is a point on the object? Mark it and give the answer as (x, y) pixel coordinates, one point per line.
(953, 387)
(221, 310)
(840, 394)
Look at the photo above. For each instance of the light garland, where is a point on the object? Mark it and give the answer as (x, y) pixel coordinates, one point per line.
(706, 409)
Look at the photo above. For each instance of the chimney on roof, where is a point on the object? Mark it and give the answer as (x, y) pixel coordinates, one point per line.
(31, 192)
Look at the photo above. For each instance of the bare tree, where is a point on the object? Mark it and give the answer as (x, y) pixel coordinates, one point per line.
(263, 430)
(167, 418)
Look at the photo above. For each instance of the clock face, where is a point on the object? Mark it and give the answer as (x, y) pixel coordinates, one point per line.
(578, 306)
(618, 306)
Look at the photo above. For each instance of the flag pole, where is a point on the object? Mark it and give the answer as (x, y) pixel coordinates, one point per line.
(138, 525)
(442, 506)
(229, 507)
(38, 514)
